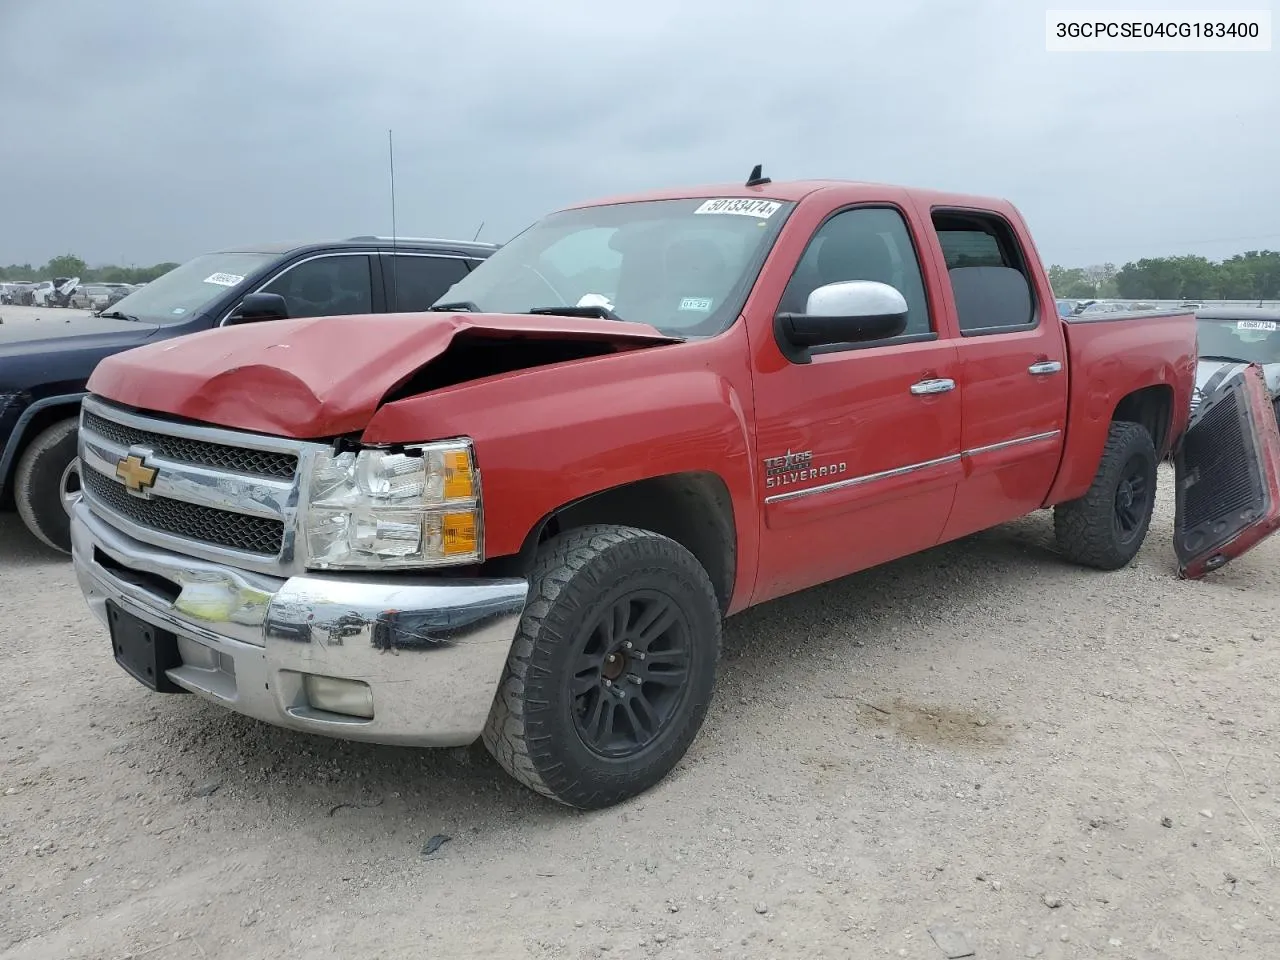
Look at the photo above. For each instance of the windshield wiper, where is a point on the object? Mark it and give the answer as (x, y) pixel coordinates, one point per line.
(457, 306)
(117, 315)
(1219, 356)
(594, 311)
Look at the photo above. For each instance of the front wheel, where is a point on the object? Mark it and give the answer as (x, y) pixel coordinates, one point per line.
(611, 673)
(1106, 527)
(47, 482)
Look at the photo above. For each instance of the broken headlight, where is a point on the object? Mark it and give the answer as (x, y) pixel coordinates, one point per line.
(376, 509)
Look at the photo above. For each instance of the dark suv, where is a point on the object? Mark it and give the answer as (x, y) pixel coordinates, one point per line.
(44, 366)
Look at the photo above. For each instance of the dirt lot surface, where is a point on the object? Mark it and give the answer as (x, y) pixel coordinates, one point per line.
(981, 740)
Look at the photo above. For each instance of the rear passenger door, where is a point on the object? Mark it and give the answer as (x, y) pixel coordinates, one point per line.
(415, 281)
(1012, 370)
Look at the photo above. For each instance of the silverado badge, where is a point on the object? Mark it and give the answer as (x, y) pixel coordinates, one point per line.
(796, 467)
(134, 473)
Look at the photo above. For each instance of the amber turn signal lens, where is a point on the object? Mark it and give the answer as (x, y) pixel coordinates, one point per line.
(459, 534)
(459, 482)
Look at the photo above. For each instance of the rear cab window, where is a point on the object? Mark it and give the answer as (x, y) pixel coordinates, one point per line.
(988, 272)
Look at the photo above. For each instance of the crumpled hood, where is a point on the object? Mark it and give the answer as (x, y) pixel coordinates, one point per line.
(319, 377)
(1207, 368)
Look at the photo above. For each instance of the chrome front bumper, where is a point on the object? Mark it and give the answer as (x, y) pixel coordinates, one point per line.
(432, 651)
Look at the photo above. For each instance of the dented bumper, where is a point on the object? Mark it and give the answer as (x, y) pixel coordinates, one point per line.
(430, 652)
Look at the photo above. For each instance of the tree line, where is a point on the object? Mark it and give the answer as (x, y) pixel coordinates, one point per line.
(69, 265)
(1246, 276)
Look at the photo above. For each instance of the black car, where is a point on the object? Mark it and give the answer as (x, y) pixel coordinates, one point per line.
(44, 365)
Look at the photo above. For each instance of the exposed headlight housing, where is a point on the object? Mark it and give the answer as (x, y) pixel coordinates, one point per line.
(375, 509)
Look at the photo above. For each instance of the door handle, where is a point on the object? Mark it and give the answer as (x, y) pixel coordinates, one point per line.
(932, 386)
(1044, 368)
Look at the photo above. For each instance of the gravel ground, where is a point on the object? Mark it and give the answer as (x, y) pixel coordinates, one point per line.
(981, 740)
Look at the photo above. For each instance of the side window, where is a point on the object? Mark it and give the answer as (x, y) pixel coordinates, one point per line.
(414, 283)
(865, 243)
(988, 272)
(326, 287)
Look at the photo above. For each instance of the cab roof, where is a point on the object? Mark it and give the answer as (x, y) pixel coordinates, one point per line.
(795, 191)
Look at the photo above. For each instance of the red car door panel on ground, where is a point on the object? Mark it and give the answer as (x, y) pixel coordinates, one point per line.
(858, 449)
(1228, 475)
(1012, 364)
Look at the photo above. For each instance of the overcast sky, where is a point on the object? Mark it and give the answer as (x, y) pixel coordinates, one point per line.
(137, 131)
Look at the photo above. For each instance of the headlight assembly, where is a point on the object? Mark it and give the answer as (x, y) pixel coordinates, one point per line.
(373, 509)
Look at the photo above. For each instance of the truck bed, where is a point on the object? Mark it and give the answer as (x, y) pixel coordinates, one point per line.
(1121, 351)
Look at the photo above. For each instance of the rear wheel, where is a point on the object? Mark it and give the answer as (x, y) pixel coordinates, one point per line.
(47, 482)
(1106, 527)
(611, 673)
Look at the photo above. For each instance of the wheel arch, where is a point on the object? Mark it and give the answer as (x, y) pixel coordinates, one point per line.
(37, 417)
(693, 508)
(1150, 407)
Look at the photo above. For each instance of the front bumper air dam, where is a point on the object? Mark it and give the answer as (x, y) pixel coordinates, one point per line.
(431, 651)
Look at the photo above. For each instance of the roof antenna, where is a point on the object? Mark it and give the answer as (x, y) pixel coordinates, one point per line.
(391, 156)
(757, 179)
(478, 229)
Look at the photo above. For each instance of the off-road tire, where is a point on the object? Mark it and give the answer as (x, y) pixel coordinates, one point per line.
(531, 730)
(1086, 529)
(37, 484)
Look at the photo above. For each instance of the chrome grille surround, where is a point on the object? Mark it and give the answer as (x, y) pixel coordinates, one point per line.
(221, 495)
(258, 462)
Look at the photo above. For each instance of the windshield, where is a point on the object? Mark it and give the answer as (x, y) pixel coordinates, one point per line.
(173, 297)
(1250, 341)
(683, 266)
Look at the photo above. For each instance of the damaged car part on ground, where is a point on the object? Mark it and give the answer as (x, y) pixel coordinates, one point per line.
(1228, 472)
(43, 367)
(493, 521)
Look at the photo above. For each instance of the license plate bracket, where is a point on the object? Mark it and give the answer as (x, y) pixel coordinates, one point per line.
(144, 651)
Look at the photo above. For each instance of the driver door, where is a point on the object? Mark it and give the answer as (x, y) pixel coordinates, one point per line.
(858, 449)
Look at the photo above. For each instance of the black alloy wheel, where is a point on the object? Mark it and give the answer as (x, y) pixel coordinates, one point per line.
(1132, 500)
(630, 674)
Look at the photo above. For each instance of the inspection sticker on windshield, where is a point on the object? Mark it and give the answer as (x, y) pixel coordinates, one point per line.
(1256, 325)
(743, 206)
(223, 279)
(700, 304)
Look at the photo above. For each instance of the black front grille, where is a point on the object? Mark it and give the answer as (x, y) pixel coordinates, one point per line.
(205, 524)
(200, 452)
(1225, 484)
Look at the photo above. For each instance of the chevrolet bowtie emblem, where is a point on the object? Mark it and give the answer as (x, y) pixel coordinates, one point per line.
(135, 474)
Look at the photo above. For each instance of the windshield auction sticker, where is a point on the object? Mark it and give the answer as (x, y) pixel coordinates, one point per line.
(1269, 325)
(223, 279)
(743, 206)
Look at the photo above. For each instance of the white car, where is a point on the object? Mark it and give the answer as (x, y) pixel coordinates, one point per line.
(47, 292)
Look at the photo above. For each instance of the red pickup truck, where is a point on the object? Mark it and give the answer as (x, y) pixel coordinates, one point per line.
(523, 516)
